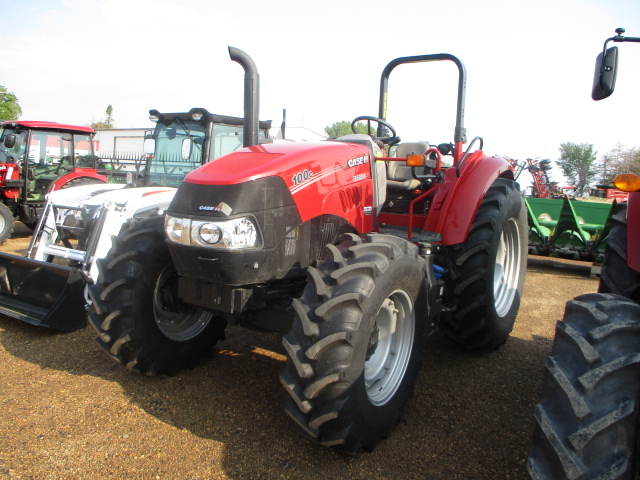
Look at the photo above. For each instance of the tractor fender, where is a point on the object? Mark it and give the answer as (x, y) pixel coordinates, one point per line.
(633, 231)
(457, 202)
(76, 173)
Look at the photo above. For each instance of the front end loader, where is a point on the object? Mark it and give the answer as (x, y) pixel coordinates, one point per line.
(77, 225)
(353, 249)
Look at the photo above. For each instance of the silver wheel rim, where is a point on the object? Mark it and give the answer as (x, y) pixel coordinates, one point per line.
(392, 339)
(176, 325)
(507, 268)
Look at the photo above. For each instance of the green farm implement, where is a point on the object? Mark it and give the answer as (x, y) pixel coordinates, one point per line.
(568, 228)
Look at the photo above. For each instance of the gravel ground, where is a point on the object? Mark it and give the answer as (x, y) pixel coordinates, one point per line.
(68, 412)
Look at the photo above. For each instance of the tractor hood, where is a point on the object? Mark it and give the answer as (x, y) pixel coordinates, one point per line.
(309, 172)
(282, 159)
(133, 199)
(114, 196)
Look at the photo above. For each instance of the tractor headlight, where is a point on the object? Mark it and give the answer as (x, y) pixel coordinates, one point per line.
(235, 233)
(176, 228)
(207, 234)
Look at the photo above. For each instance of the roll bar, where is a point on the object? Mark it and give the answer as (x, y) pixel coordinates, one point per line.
(460, 133)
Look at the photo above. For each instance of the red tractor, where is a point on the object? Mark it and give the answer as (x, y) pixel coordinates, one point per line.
(355, 249)
(37, 158)
(587, 419)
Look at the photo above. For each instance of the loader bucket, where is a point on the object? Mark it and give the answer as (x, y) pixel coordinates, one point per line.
(42, 293)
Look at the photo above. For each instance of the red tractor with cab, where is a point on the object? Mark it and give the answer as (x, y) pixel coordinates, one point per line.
(37, 158)
(354, 249)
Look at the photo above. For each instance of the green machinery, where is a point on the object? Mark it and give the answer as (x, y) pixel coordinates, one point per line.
(568, 228)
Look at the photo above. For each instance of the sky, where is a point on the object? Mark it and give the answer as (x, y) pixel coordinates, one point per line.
(529, 64)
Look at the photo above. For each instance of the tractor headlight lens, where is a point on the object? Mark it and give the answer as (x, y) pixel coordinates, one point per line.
(235, 233)
(209, 233)
(241, 234)
(176, 228)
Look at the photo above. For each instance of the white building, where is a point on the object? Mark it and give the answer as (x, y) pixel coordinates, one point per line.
(130, 141)
(121, 140)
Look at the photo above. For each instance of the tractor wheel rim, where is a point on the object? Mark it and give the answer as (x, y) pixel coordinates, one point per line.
(507, 268)
(175, 324)
(393, 335)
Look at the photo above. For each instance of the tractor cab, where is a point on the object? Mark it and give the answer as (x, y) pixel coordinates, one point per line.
(182, 142)
(39, 157)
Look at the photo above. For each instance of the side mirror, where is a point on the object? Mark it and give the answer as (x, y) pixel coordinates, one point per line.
(187, 148)
(149, 146)
(604, 78)
(10, 141)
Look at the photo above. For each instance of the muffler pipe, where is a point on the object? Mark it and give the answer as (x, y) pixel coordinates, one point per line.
(251, 96)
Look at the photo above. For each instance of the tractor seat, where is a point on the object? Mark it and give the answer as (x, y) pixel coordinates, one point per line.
(399, 175)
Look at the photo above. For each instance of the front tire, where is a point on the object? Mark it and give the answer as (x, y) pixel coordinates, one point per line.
(355, 344)
(135, 309)
(486, 273)
(587, 417)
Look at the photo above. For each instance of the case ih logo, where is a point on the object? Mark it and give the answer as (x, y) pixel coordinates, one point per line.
(361, 160)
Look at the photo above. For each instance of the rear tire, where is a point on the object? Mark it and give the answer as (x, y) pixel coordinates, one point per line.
(487, 271)
(587, 417)
(7, 223)
(616, 276)
(356, 340)
(139, 319)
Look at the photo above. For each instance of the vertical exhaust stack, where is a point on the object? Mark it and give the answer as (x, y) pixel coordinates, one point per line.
(251, 96)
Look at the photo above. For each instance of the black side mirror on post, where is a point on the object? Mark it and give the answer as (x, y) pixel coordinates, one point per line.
(604, 78)
(10, 141)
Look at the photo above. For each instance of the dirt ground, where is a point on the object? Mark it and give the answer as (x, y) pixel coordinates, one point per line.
(68, 412)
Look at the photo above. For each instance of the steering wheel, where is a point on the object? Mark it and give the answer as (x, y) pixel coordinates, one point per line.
(392, 140)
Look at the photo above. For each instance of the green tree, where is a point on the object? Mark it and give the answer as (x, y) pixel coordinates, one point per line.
(108, 122)
(9, 107)
(339, 129)
(577, 164)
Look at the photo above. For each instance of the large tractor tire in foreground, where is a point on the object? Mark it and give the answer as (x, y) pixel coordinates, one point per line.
(486, 273)
(617, 277)
(356, 340)
(139, 318)
(587, 417)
